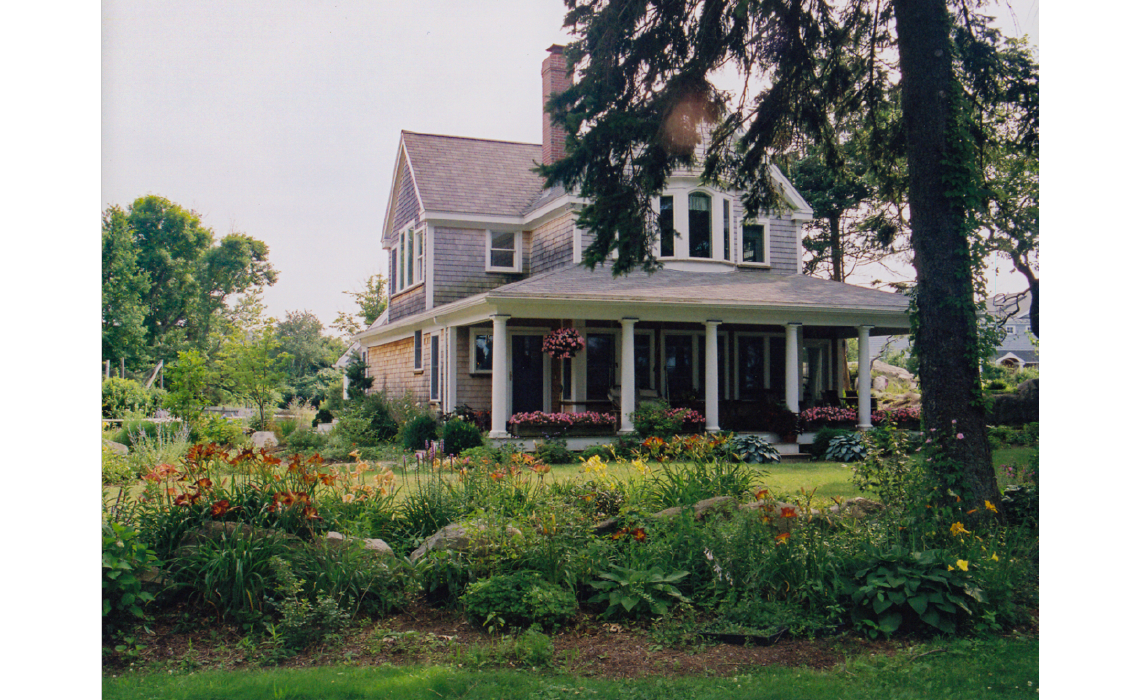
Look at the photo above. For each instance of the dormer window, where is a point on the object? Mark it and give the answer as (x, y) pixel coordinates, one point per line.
(696, 225)
(700, 225)
(504, 252)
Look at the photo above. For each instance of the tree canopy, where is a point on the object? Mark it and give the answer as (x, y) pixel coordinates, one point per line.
(160, 261)
(644, 96)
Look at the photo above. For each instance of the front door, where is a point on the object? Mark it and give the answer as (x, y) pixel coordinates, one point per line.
(526, 373)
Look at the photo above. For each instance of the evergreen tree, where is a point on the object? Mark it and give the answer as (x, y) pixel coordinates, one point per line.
(644, 95)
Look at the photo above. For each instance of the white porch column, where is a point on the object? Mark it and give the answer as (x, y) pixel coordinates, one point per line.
(864, 378)
(499, 372)
(712, 379)
(451, 376)
(628, 377)
(793, 370)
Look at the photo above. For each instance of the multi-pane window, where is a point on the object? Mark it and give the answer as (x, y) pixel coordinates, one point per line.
(667, 231)
(418, 351)
(481, 346)
(600, 365)
(752, 244)
(409, 259)
(503, 251)
(700, 225)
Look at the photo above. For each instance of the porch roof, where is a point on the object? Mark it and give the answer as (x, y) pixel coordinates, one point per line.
(741, 287)
(740, 296)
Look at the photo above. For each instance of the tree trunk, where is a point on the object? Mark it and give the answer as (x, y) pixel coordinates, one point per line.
(837, 271)
(946, 337)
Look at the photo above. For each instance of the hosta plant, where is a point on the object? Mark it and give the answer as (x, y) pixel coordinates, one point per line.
(849, 447)
(636, 592)
(901, 589)
(753, 449)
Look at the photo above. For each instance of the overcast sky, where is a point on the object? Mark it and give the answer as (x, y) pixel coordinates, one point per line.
(281, 119)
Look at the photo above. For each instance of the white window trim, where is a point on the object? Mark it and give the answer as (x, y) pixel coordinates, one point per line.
(471, 333)
(409, 245)
(681, 224)
(435, 376)
(517, 267)
(767, 224)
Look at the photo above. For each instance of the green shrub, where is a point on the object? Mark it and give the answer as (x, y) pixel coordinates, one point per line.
(418, 432)
(846, 448)
(889, 470)
(553, 451)
(753, 449)
(116, 467)
(459, 435)
(304, 440)
(153, 444)
(602, 451)
(123, 396)
(125, 560)
(518, 600)
(656, 419)
(902, 590)
(822, 440)
(303, 621)
(218, 430)
(1020, 504)
(367, 421)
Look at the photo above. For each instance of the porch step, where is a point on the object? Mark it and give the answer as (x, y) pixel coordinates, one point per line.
(795, 457)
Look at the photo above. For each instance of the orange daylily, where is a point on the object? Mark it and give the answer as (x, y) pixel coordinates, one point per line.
(782, 538)
(787, 512)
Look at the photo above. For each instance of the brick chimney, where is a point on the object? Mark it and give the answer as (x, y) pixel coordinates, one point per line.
(554, 81)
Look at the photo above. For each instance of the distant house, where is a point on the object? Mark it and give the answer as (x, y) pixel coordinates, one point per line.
(485, 262)
(1017, 348)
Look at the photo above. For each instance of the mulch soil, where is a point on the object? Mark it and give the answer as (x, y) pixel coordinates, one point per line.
(182, 639)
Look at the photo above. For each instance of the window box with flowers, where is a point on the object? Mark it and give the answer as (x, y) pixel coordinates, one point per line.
(836, 417)
(539, 424)
(563, 343)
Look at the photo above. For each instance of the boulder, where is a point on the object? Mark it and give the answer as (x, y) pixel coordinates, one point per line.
(719, 504)
(372, 545)
(263, 439)
(880, 383)
(324, 428)
(1017, 408)
(891, 371)
(460, 537)
(117, 447)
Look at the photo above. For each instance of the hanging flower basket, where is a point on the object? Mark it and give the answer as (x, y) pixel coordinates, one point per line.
(563, 343)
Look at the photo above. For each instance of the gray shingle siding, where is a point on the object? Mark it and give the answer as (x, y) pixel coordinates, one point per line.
(407, 206)
(784, 247)
(552, 245)
(460, 264)
(407, 304)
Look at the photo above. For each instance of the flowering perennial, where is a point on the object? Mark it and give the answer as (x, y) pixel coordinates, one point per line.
(563, 420)
(563, 343)
(836, 414)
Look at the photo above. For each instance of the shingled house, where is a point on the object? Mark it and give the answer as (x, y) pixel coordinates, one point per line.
(485, 261)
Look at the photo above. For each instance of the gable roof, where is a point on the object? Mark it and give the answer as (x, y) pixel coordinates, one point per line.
(473, 176)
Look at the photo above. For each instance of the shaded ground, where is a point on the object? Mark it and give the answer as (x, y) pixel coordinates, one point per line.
(183, 641)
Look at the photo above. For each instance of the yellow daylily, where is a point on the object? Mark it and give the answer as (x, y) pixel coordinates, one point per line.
(963, 565)
(995, 557)
(958, 529)
(990, 507)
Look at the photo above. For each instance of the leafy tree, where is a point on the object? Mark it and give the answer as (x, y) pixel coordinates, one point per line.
(252, 366)
(644, 97)
(371, 302)
(301, 335)
(191, 384)
(190, 277)
(124, 285)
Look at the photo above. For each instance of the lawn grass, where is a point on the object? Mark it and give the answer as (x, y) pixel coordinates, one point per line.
(962, 669)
